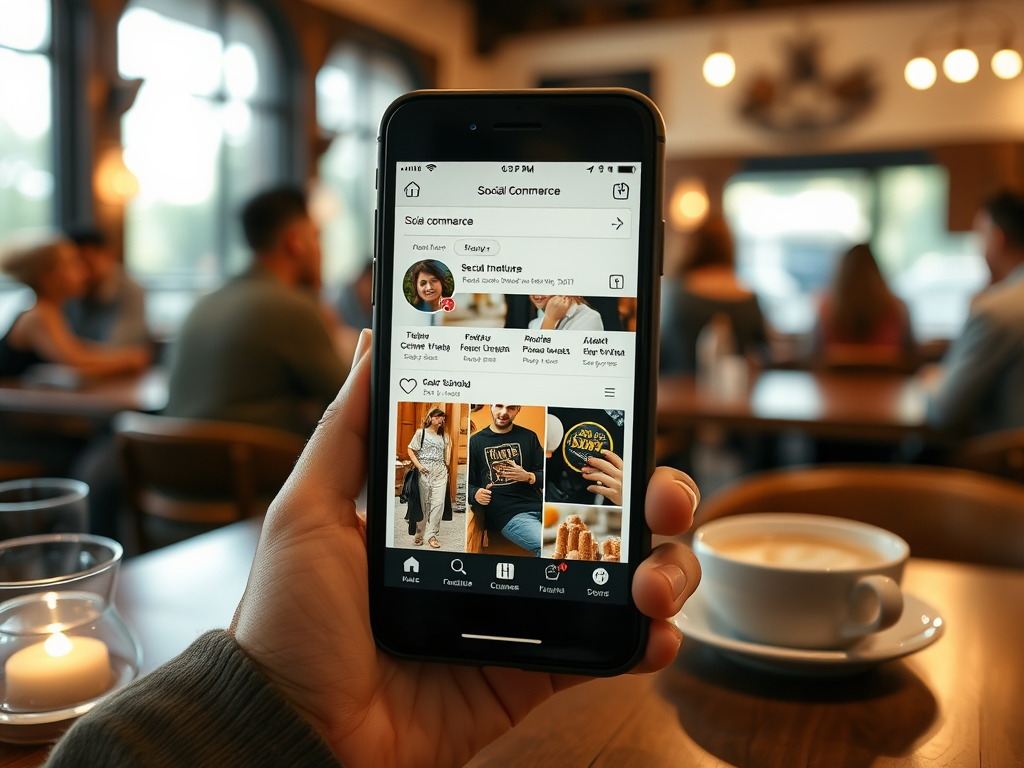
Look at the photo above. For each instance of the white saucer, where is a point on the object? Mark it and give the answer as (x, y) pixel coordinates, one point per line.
(918, 627)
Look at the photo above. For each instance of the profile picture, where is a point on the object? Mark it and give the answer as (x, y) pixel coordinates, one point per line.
(428, 286)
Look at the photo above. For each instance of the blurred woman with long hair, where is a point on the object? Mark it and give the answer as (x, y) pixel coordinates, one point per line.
(860, 321)
(705, 285)
(430, 450)
(41, 334)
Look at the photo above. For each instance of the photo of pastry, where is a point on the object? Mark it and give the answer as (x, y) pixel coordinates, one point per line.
(578, 532)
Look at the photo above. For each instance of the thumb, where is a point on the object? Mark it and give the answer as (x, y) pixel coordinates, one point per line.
(488, 487)
(332, 468)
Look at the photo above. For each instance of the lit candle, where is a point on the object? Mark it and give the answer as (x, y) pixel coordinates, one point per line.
(57, 673)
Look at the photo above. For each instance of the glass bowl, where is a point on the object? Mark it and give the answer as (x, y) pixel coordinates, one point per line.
(63, 645)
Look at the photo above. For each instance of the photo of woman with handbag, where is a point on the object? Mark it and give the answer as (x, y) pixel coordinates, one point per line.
(430, 451)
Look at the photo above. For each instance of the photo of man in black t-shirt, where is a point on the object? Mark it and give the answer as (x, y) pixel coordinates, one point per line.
(506, 478)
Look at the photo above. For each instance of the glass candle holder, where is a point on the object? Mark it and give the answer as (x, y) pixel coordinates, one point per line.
(42, 505)
(63, 645)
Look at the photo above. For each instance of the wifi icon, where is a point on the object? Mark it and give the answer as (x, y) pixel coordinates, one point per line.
(431, 166)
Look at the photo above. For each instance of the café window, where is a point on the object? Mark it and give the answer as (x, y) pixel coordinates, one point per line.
(791, 228)
(353, 88)
(27, 167)
(26, 116)
(207, 130)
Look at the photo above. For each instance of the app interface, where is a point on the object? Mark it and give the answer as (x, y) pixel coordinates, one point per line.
(512, 360)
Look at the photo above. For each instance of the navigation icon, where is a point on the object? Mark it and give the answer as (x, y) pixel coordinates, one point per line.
(552, 572)
(600, 576)
(412, 565)
(505, 571)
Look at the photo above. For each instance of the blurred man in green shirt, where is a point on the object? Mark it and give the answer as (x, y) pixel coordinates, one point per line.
(258, 349)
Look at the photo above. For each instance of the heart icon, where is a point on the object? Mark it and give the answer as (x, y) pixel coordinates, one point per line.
(408, 385)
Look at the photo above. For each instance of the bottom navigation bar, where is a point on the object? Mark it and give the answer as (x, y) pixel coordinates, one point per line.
(501, 575)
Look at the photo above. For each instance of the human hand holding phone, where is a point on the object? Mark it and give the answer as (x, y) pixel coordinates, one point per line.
(304, 617)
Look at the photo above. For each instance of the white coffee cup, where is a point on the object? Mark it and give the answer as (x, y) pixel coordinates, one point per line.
(802, 581)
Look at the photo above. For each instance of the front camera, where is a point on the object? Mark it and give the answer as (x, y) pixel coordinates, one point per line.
(472, 126)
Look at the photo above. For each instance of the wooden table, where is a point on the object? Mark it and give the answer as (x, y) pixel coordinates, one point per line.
(956, 703)
(856, 406)
(101, 399)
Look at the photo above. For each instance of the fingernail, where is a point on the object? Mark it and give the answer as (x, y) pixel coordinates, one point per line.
(676, 579)
(675, 629)
(693, 496)
(362, 345)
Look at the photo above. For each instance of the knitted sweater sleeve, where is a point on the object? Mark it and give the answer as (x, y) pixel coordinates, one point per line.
(210, 706)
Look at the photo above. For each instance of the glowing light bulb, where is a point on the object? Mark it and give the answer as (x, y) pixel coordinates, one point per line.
(719, 69)
(920, 73)
(960, 65)
(1006, 64)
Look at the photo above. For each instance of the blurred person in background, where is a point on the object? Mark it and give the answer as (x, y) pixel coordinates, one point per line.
(41, 334)
(979, 386)
(704, 286)
(113, 308)
(860, 321)
(259, 349)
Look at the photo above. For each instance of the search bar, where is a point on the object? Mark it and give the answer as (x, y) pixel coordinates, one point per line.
(575, 223)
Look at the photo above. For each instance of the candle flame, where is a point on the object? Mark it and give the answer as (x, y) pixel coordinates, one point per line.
(57, 645)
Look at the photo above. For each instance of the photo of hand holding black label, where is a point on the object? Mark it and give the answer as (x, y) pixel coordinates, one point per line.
(586, 465)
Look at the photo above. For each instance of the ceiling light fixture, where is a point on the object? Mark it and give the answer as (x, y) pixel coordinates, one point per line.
(960, 34)
(719, 69)
(920, 73)
(1006, 64)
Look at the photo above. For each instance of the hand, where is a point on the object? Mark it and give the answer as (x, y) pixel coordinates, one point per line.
(607, 474)
(423, 470)
(483, 495)
(556, 309)
(304, 617)
(515, 473)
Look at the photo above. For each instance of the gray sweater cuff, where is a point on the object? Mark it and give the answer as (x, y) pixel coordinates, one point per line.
(210, 706)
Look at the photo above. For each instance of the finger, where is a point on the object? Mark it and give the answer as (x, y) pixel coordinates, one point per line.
(601, 477)
(594, 463)
(613, 495)
(362, 345)
(333, 464)
(613, 458)
(665, 580)
(672, 498)
(663, 640)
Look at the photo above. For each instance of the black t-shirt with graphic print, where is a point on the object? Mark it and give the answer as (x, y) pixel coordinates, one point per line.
(488, 450)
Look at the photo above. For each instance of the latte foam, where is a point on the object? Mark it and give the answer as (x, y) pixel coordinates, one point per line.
(801, 551)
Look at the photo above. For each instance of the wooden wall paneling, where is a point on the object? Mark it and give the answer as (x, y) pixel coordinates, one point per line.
(976, 171)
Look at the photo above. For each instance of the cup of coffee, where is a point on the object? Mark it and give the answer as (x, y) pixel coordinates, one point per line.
(802, 581)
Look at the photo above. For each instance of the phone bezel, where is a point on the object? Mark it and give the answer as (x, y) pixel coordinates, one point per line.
(577, 125)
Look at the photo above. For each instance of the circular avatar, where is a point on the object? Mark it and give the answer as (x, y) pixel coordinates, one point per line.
(583, 441)
(428, 285)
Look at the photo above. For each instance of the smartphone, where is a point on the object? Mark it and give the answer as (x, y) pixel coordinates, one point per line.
(518, 252)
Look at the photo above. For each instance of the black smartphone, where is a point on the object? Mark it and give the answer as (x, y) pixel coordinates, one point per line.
(517, 263)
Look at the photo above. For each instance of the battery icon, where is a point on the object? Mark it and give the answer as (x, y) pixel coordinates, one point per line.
(627, 169)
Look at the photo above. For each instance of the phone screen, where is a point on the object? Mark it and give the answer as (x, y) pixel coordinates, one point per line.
(513, 357)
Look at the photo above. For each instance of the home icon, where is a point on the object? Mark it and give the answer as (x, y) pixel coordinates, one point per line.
(412, 189)
(412, 565)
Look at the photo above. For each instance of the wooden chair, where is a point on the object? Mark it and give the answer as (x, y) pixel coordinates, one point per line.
(1000, 454)
(479, 540)
(948, 514)
(199, 474)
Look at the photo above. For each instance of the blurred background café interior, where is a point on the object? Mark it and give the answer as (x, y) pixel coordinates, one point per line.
(843, 194)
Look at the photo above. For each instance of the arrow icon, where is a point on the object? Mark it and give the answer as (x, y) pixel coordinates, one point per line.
(618, 225)
(591, 169)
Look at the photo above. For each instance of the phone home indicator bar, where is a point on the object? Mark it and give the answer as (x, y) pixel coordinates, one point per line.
(528, 640)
